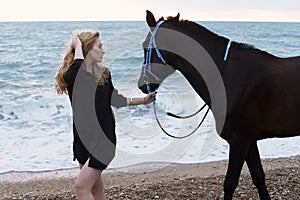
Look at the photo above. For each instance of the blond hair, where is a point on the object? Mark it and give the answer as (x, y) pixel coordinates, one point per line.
(87, 39)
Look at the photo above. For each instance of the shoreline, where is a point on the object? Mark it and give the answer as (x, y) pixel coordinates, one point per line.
(203, 180)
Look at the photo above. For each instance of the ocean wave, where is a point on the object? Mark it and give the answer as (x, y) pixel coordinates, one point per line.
(35, 120)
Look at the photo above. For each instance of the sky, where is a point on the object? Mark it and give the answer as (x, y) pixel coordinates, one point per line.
(134, 10)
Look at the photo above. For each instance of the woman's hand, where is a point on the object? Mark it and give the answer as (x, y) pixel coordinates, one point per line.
(138, 101)
(76, 42)
(77, 45)
(149, 97)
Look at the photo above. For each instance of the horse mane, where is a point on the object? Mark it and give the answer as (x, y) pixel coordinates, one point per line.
(234, 44)
(188, 23)
(243, 46)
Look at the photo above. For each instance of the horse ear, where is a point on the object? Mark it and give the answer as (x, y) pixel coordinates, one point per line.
(177, 17)
(174, 19)
(150, 19)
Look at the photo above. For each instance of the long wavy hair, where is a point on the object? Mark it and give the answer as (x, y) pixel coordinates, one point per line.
(87, 39)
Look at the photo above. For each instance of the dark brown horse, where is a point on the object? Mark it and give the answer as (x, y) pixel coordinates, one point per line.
(261, 91)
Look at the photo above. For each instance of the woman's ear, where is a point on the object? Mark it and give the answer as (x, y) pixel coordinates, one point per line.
(150, 19)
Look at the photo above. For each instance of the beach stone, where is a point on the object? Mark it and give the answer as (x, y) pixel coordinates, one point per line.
(171, 186)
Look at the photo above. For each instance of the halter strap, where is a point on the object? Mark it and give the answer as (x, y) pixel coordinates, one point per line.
(227, 50)
(152, 44)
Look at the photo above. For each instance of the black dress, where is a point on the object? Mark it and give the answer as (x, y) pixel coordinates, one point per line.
(105, 96)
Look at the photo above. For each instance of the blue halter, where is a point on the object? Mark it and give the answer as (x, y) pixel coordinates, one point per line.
(227, 51)
(147, 68)
(151, 46)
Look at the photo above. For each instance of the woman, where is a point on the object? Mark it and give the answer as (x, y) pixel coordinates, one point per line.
(82, 65)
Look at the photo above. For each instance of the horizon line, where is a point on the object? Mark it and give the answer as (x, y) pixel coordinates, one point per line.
(112, 20)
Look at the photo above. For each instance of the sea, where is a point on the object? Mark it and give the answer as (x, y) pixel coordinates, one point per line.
(36, 123)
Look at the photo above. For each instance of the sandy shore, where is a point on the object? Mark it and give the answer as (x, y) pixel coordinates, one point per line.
(180, 181)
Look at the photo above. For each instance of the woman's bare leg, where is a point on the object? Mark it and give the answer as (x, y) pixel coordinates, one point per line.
(88, 182)
(98, 189)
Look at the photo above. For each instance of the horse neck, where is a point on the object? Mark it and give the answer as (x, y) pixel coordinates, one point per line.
(196, 81)
(214, 45)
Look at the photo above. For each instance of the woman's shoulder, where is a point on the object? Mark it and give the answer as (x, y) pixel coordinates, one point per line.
(76, 63)
(71, 73)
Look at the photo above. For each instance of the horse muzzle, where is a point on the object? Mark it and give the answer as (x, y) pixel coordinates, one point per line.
(150, 88)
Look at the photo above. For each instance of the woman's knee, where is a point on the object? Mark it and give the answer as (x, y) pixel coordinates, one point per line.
(98, 187)
(96, 190)
(80, 187)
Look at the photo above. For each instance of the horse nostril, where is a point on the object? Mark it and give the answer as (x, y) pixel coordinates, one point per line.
(143, 88)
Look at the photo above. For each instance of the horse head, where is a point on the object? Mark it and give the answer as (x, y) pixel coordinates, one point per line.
(193, 50)
(157, 62)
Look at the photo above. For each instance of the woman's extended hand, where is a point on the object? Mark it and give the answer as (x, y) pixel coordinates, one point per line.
(148, 98)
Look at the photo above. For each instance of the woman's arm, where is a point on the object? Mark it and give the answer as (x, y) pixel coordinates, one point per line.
(77, 45)
(70, 74)
(138, 101)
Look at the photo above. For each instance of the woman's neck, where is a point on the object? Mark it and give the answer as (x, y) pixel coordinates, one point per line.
(91, 66)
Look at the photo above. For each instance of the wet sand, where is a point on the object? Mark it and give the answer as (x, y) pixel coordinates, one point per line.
(155, 181)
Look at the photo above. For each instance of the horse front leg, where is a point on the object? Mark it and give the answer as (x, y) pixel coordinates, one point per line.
(257, 172)
(237, 154)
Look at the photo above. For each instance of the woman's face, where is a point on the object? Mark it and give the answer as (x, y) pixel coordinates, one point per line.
(96, 53)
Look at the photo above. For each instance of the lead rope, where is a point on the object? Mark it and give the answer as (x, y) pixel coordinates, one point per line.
(155, 108)
(172, 115)
(147, 68)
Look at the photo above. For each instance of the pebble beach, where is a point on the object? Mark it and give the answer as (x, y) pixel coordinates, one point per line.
(175, 181)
